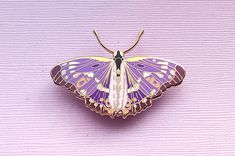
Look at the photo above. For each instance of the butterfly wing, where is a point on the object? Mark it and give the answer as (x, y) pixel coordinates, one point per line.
(88, 79)
(148, 77)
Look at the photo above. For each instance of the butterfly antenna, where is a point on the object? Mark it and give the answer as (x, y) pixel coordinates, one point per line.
(137, 40)
(97, 37)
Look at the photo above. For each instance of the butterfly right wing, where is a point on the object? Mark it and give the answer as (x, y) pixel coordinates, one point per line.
(88, 79)
(147, 78)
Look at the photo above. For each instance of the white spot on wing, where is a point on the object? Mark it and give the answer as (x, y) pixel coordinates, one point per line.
(162, 62)
(97, 80)
(63, 72)
(146, 74)
(72, 71)
(164, 67)
(76, 75)
(144, 100)
(159, 75)
(153, 92)
(89, 74)
(91, 100)
(102, 88)
(72, 67)
(164, 71)
(83, 91)
(71, 63)
(172, 72)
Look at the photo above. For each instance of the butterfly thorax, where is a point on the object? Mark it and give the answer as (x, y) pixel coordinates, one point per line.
(118, 60)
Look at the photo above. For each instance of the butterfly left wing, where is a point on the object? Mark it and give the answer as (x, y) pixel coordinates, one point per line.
(147, 78)
(88, 79)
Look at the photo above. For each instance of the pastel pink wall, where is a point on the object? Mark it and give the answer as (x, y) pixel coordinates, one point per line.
(39, 118)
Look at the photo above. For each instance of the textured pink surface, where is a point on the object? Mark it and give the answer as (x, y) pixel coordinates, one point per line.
(39, 118)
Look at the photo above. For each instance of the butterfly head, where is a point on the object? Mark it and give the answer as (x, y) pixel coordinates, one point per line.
(118, 54)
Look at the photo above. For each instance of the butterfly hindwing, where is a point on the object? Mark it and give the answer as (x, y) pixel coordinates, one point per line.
(152, 76)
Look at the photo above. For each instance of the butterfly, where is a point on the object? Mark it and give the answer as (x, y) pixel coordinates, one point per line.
(117, 86)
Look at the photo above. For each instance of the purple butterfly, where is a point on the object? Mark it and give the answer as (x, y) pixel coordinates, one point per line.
(119, 86)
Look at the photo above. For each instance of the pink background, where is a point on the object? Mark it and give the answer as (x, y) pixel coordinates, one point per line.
(39, 118)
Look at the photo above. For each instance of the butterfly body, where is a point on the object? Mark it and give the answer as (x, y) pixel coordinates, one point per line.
(117, 86)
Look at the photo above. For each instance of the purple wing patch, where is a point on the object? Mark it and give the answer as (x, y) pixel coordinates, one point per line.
(87, 79)
(152, 76)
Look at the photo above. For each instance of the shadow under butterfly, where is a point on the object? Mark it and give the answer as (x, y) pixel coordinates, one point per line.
(117, 86)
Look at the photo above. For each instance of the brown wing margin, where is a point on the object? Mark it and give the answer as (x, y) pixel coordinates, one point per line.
(177, 80)
(58, 80)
